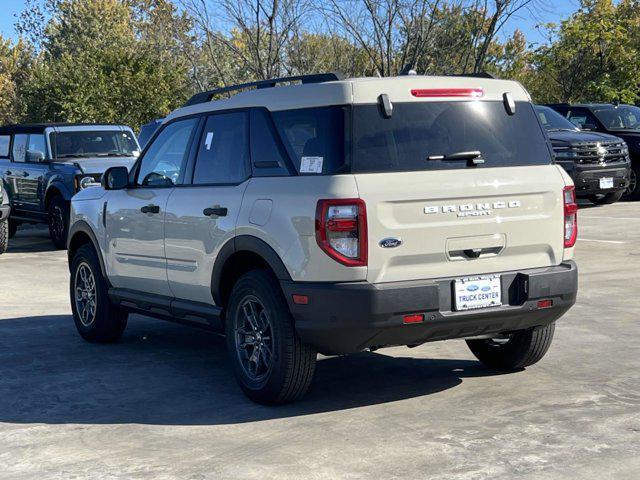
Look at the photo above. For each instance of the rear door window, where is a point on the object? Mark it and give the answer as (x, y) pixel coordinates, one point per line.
(223, 152)
(5, 140)
(268, 156)
(314, 138)
(419, 130)
(19, 149)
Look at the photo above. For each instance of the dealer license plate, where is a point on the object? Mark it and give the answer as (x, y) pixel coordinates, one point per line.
(477, 292)
(606, 182)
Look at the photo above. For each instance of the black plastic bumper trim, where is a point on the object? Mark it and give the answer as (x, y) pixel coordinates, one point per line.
(349, 317)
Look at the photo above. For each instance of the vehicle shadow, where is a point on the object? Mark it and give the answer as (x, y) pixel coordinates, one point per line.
(31, 239)
(160, 373)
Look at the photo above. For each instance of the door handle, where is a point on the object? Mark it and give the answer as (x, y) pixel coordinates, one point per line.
(150, 209)
(215, 212)
(25, 174)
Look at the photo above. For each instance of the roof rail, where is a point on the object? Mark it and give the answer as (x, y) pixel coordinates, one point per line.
(203, 97)
(474, 75)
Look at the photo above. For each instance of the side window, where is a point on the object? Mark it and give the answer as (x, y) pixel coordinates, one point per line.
(164, 161)
(580, 118)
(37, 144)
(224, 150)
(19, 150)
(5, 140)
(314, 138)
(267, 153)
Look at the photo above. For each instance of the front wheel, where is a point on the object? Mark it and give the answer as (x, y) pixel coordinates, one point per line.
(96, 318)
(271, 363)
(58, 215)
(606, 199)
(4, 235)
(515, 350)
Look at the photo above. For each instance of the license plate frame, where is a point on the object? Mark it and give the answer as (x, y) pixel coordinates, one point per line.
(475, 293)
(606, 183)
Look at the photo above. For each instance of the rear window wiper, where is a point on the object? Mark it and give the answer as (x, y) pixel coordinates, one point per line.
(475, 157)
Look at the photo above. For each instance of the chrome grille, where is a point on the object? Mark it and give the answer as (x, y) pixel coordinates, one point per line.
(594, 152)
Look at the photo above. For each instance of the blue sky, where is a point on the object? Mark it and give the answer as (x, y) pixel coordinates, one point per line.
(553, 11)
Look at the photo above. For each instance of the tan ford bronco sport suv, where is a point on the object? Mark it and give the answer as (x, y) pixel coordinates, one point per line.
(333, 216)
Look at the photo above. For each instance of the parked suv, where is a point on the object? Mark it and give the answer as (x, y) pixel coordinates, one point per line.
(44, 165)
(597, 162)
(335, 216)
(620, 120)
(5, 210)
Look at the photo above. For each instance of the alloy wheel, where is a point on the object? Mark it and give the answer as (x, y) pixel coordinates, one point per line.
(633, 180)
(85, 294)
(254, 338)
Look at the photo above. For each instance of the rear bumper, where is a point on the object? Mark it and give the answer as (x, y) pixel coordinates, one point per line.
(349, 317)
(5, 211)
(587, 178)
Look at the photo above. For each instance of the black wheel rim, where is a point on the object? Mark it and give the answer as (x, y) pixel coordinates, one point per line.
(254, 338)
(85, 294)
(56, 221)
(633, 181)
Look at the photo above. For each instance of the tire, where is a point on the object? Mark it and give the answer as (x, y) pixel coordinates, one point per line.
(633, 192)
(13, 228)
(606, 199)
(97, 321)
(521, 349)
(58, 218)
(286, 373)
(4, 236)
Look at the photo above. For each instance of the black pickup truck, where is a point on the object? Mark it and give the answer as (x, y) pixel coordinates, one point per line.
(623, 121)
(597, 162)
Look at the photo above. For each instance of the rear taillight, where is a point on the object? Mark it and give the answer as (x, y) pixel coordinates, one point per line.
(570, 216)
(341, 230)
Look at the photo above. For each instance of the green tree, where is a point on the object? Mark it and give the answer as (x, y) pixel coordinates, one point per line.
(109, 61)
(15, 71)
(591, 56)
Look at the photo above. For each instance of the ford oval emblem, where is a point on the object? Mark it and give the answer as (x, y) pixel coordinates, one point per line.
(472, 288)
(486, 288)
(390, 242)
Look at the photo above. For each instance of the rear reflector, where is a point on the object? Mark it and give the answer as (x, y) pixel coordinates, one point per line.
(447, 92)
(547, 303)
(301, 299)
(416, 318)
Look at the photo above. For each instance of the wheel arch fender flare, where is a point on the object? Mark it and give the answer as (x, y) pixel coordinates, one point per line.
(83, 229)
(245, 243)
(56, 187)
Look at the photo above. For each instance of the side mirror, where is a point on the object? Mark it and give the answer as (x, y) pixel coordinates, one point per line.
(115, 178)
(589, 127)
(35, 156)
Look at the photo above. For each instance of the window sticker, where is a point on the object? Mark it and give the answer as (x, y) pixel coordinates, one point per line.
(311, 164)
(209, 140)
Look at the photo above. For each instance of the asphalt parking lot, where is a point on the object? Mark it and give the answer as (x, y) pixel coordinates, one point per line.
(162, 403)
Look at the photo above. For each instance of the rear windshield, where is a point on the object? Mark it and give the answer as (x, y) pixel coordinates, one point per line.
(419, 130)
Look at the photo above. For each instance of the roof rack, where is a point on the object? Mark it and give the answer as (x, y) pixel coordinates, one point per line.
(203, 97)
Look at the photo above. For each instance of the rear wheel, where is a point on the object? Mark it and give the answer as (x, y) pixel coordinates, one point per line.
(4, 235)
(633, 191)
(515, 350)
(606, 199)
(96, 318)
(13, 227)
(58, 215)
(271, 363)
